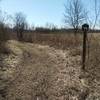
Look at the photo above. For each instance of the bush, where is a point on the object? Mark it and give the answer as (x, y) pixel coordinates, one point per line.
(3, 32)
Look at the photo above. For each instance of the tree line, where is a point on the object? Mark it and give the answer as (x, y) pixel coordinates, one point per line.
(75, 15)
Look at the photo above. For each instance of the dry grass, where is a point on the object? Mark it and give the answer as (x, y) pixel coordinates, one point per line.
(74, 44)
(57, 40)
(50, 68)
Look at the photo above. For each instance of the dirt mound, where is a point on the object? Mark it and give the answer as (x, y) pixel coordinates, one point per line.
(37, 72)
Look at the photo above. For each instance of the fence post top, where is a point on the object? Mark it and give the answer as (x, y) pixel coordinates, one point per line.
(85, 27)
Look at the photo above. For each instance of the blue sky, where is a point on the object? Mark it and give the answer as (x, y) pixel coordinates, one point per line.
(38, 12)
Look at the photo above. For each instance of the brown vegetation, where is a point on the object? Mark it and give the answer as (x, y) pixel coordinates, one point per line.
(50, 68)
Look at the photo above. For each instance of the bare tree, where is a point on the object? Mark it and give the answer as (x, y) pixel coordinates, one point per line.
(20, 24)
(96, 12)
(75, 14)
(4, 33)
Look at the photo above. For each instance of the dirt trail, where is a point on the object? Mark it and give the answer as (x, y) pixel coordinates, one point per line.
(44, 73)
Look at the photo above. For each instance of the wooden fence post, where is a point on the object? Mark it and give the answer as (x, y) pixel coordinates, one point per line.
(85, 28)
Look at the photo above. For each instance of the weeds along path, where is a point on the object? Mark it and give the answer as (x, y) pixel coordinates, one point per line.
(43, 73)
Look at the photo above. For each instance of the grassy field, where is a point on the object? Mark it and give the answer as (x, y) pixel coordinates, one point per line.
(59, 40)
(49, 68)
